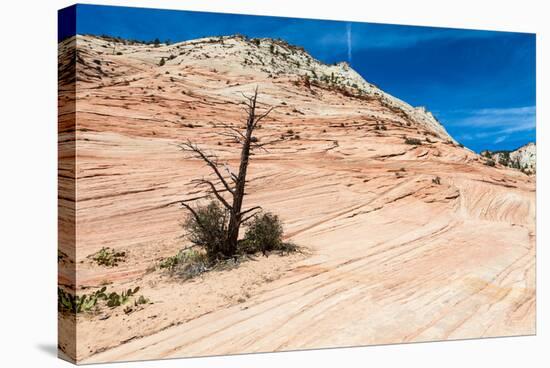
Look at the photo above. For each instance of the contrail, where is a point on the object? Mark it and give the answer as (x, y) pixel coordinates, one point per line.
(349, 42)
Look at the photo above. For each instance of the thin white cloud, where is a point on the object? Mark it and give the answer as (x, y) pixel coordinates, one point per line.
(498, 124)
(500, 139)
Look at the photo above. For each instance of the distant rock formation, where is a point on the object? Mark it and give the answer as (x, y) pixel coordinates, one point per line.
(524, 158)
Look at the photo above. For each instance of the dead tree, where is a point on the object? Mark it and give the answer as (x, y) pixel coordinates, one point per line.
(225, 181)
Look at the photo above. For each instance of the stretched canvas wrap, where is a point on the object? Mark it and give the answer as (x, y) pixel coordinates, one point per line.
(235, 184)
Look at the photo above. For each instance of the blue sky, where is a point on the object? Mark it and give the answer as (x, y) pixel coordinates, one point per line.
(479, 84)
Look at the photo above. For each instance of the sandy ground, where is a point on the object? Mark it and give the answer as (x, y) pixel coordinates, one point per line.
(392, 256)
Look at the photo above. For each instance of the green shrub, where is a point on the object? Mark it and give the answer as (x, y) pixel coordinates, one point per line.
(413, 141)
(490, 162)
(67, 302)
(115, 300)
(108, 257)
(188, 263)
(264, 234)
(504, 158)
(209, 231)
(76, 304)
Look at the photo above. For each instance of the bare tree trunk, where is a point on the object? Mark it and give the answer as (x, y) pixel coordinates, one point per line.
(238, 195)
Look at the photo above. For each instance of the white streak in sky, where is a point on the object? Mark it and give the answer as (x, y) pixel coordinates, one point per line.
(349, 42)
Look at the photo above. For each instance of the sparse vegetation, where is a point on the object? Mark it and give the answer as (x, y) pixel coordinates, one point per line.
(115, 299)
(187, 263)
(207, 228)
(265, 234)
(108, 257)
(436, 180)
(490, 162)
(162, 61)
(504, 158)
(68, 302)
(413, 141)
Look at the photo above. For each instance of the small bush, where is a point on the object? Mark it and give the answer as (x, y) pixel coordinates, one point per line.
(108, 257)
(436, 180)
(67, 302)
(115, 299)
(490, 163)
(162, 61)
(413, 141)
(209, 230)
(188, 263)
(504, 158)
(265, 234)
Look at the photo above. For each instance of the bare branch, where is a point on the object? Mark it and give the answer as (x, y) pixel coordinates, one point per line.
(236, 138)
(251, 209)
(214, 191)
(233, 129)
(195, 214)
(247, 218)
(231, 174)
(188, 146)
(259, 118)
(261, 145)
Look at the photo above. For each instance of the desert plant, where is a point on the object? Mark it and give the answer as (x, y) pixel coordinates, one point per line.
(115, 299)
(504, 158)
(436, 180)
(76, 304)
(207, 228)
(187, 263)
(162, 61)
(490, 162)
(413, 141)
(108, 257)
(264, 234)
